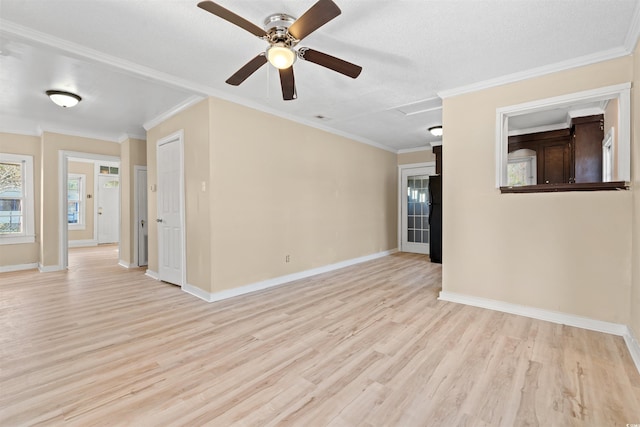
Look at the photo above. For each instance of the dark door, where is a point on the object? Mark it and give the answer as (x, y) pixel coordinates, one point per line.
(435, 218)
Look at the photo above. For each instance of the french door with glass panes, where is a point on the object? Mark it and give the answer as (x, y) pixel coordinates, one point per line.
(414, 209)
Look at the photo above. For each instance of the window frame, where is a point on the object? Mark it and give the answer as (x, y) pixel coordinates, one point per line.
(82, 220)
(621, 92)
(28, 201)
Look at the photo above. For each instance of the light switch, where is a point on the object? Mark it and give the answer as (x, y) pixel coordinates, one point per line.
(204, 186)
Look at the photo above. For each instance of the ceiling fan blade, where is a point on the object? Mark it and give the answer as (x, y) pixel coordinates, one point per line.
(227, 15)
(331, 62)
(288, 84)
(249, 68)
(318, 15)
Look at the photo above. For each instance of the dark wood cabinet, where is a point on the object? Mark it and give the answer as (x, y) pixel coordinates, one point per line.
(437, 150)
(588, 133)
(566, 156)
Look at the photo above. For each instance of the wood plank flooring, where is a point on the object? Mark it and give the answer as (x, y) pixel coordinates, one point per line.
(367, 345)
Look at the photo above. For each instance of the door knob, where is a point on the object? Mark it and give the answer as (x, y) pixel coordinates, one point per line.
(142, 222)
(159, 220)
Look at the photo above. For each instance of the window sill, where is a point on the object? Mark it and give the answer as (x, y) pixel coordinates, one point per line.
(16, 240)
(556, 188)
(76, 227)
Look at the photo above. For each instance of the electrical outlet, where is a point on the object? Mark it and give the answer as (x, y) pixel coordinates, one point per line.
(287, 258)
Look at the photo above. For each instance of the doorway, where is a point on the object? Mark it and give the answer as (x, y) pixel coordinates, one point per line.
(64, 157)
(141, 240)
(170, 219)
(414, 205)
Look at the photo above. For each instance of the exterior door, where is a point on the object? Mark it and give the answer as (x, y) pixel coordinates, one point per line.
(143, 226)
(170, 211)
(108, 209)
(414, 209)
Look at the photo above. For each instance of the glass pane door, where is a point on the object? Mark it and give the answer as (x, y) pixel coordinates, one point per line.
(415, 209)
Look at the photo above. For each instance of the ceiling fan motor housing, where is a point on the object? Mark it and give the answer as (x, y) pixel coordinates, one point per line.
(276, 26)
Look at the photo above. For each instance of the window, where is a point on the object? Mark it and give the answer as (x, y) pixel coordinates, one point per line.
(76, 201)
(521, 168)
(16, 199)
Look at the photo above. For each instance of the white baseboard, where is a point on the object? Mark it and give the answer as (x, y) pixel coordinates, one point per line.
(634, 347)
(125, 264)
(18, 267)
(82, 243)
(551, 316)
(152, 274)
(258, 286)
(49, 268)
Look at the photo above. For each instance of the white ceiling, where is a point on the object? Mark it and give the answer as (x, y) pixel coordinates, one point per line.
(134, 60)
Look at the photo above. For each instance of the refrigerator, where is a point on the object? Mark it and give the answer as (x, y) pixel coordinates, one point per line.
(435, 218)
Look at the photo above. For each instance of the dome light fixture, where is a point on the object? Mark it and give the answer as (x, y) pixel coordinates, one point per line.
(63, 99)
(281, 56)
(436, 130)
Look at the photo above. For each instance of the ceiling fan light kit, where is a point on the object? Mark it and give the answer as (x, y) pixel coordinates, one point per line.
(283, 32)
(63, 99)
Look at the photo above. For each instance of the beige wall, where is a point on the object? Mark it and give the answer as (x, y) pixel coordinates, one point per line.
(52, 144)
(635, 176)
(281, 188)
(551, 251)
(28, 253)
(133, 152)
(88, 170)
(416, 157)
(273, 188)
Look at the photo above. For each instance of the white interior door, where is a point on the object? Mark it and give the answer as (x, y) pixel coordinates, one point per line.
(108, 209)
(142, 222)
(170, 211)
(414, 209)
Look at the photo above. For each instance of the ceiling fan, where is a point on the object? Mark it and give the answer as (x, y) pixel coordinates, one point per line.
(283, 33)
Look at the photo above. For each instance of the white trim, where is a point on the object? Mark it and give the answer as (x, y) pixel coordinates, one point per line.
(152, 274)
(634, 347)
(537, 72)
(125, 264)
(634, 30)
(436, 144)
(551, 316)
(88, 53)
(79, 133)
(536, 313)
(50, 268)
(18, 267)
(276, 281)
(413, 150)
(82, 243)
(192, 100)
(536, 129)
(620, 91)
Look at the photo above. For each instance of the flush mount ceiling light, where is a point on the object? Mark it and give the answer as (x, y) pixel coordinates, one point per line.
(436, 130)
(63, 99)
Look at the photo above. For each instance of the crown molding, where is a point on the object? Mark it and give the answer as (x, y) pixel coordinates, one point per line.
(537, 72)
(92, 54)
(633, 34)
(192, 100)
(436, 143)
(413, 150)
(164, 78)
(80, 133)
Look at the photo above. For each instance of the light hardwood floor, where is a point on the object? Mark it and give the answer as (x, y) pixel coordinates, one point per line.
(367, 345)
